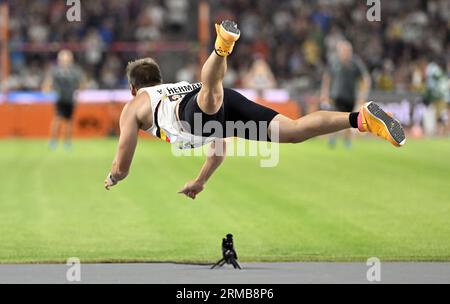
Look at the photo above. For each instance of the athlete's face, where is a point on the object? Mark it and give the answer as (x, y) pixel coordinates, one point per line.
(65, 58)
(344, 51)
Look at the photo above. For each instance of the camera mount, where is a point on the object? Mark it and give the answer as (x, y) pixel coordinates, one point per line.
(229, 255)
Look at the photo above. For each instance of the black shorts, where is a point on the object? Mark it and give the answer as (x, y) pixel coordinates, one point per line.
(65, 109)
(236, 110)
(344, 105)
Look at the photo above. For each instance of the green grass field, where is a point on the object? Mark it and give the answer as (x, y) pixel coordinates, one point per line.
(316, 205)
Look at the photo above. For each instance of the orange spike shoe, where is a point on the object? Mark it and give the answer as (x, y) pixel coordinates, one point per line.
(373, 119)
(227, 35)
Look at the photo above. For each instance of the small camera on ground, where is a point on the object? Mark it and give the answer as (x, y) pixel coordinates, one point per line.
(229, 254)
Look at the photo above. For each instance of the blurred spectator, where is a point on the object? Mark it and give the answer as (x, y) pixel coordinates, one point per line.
(187, 73)
(340, 84)
(150, 22)
(110, 71)
(437, 94)
(385, 79)
(177, 14)
(259, 76)
(93, 44)
(65, 79)
(295, 37)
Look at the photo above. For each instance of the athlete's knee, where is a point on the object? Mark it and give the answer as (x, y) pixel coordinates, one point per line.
(210, 100)
(212, 94)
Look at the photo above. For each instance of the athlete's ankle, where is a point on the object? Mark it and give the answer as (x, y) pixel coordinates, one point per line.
(219, 53)
(353, 119)
(227, 34)
(222, 48)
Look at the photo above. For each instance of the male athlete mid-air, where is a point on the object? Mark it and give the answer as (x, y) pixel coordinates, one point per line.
(172, 111)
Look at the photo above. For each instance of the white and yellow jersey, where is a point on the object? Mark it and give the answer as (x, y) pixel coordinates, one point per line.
(164, 101)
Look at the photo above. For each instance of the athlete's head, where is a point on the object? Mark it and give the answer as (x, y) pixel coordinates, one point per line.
(65, 58)
(344, 50)
(143, 73)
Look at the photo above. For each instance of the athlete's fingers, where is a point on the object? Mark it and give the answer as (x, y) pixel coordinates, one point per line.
(108, 185)
(183, 191)
(193, 194)
(190, 191)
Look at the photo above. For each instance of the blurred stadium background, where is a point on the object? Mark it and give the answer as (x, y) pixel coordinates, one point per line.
(52, 204)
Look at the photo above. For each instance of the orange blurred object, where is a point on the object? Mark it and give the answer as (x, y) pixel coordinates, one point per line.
(90, 120)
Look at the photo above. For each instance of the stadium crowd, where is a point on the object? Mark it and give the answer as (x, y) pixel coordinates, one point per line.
(294, 37)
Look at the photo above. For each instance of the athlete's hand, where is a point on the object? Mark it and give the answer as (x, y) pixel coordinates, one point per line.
(192, 189)
(109, 182)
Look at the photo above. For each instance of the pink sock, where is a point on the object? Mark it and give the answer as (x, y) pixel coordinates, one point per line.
(360, 124)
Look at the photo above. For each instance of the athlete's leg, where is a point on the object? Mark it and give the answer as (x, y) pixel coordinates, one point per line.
(68, 132)
(312, 125)
(54, 130)
(332, 141)
(371, 118)
(210, 97)
(348, 138)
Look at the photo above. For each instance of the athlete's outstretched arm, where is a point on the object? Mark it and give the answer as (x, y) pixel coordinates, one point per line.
(215, 158)
(129, 130)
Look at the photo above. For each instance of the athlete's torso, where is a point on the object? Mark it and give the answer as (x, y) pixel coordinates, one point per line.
(345, 78)
(164, 100)
(65, 82)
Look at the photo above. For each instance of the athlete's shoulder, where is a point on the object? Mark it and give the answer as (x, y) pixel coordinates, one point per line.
(142, 98)
(139, 109)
